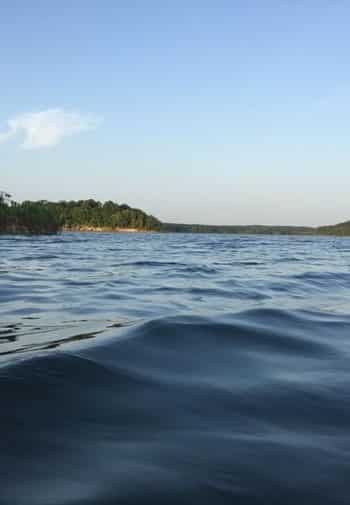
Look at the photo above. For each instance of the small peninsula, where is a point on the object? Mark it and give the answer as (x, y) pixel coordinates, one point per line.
(82, 215)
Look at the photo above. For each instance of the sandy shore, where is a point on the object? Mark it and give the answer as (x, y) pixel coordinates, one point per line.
(102, 229)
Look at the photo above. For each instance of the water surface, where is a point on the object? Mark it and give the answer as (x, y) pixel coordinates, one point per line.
(178, 369)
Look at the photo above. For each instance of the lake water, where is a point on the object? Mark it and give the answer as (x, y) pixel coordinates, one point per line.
(174, 369)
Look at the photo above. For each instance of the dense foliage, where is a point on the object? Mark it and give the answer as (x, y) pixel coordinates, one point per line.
(91, 213)
(43, 216)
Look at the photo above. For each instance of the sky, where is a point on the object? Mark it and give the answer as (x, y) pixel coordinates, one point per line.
(225, 112)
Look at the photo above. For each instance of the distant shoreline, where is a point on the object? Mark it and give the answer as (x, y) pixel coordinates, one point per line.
(44, 217)
(13, 230)
(187, 229)
(341, 229)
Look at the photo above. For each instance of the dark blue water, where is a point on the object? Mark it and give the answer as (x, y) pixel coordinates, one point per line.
(174, 369)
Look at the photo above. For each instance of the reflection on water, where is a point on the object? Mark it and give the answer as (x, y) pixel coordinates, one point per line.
(49, 336)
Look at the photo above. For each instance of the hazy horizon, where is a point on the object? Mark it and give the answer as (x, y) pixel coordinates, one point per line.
(197, 113)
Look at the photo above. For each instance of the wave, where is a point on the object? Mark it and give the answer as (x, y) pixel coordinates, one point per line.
(248, 408)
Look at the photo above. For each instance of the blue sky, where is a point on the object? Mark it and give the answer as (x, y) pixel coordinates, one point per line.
(224, 112)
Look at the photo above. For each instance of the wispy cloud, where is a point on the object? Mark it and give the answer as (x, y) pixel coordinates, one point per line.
(47, 128)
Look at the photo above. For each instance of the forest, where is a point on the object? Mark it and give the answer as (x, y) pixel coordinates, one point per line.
(50, 217)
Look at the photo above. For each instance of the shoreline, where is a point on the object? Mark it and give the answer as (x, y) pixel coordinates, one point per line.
(13, 230)
(103, 229)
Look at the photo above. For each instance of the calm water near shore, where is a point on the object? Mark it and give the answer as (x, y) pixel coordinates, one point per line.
(174, 369)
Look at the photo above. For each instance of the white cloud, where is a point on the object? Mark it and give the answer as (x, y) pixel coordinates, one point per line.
(47, 128)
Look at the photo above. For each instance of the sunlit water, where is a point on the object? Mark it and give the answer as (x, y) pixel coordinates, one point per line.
(174, 369)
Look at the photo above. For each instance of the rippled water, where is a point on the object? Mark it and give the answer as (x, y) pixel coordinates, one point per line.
(174, 369)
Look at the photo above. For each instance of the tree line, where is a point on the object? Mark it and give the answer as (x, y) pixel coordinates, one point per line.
(49, 217)
(341, 229)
